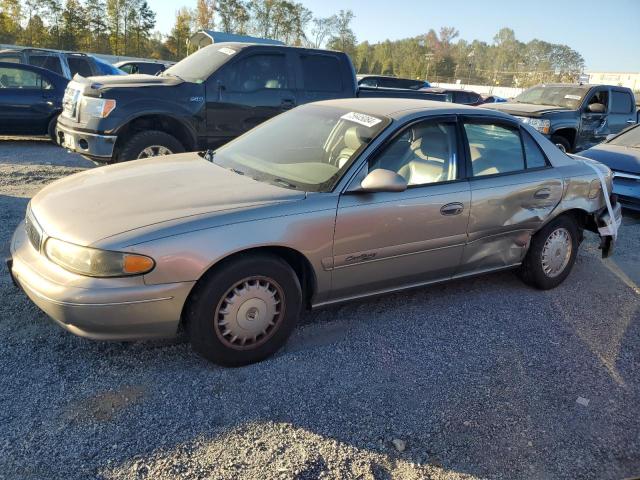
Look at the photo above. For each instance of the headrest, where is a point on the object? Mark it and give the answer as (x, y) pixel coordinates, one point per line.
(355, 137)
(433, 141)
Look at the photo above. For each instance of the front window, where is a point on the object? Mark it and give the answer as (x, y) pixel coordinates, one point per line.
(309, 148)
(198, 66)
(628, 138)
(554, 95)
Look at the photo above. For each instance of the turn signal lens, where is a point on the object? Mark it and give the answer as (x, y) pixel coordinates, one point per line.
(136, 264)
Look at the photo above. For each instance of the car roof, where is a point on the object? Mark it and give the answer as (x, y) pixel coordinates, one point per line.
(397, 108)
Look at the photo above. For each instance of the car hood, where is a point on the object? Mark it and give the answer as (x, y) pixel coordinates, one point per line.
(93, 85)
(616, 157)
(99, 203)
(524, 109)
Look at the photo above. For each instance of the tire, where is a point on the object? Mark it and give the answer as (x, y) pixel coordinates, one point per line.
(51, 129)
(212, 321)
(537, 270)
(562, 143)
(134, 147)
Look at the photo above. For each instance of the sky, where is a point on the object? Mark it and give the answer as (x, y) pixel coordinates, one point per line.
(605, 32)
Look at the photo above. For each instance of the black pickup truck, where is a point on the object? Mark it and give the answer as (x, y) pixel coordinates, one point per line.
(202, 102)
(575, 117)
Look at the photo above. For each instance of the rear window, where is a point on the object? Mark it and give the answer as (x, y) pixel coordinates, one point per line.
(79, 65)
(621, 102)
(321, 73)
(49, 62)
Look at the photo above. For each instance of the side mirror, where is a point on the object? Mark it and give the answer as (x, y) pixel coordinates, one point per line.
(596, 108)
(381, 180)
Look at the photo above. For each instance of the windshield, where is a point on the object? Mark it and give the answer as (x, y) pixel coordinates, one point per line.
(556, 95)
(308, 148)
(628, 138)
(199, 66)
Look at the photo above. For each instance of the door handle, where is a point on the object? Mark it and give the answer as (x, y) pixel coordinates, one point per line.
(542, 194)
(631, 122)
(288, 103)
(454, 208)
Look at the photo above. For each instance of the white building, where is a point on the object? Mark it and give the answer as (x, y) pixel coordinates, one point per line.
(623, 79)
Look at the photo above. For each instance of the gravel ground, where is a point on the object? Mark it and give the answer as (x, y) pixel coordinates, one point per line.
(482, 378)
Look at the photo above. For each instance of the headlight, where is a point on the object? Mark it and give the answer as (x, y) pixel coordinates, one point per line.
(543, 126)
(96, 263)
(97, 107)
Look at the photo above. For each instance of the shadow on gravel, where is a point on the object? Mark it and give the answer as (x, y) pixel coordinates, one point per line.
(38, 151)
(482, 377)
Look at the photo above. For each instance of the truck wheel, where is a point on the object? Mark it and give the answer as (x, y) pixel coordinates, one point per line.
(551, 254)
(51, 129)
(562, 143)
(244, 311)
(152, 143)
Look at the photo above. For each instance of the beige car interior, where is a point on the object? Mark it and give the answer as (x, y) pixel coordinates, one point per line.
(423, 155)
(493, 149)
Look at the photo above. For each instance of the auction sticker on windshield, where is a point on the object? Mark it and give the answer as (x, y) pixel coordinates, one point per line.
(573, 97)
(227, 51)
(361, 118)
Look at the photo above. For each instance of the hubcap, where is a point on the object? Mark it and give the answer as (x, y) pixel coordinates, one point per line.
(249, 313)
(556, 252)
(154, 151)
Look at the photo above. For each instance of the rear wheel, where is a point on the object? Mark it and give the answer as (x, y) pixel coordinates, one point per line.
(51, 129)
(152, 143)
(551, 254)
(244, 311)
(562, 143)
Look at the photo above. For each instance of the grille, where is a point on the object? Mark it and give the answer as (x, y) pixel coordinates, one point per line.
(34, 233)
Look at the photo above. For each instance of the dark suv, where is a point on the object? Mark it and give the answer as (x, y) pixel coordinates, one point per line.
(66, 64)
(575, 117)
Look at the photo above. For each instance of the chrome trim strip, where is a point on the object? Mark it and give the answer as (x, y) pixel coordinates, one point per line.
(76, 132)
(630, 176)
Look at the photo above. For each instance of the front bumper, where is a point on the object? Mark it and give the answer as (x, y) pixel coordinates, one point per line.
(92, 145)
(101, 309)
(606, 225)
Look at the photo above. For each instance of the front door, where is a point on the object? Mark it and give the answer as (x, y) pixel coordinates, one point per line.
(594, 126)
(246, 92)
(389, 240)
(23, 107)
(623, 111)
(513, 191)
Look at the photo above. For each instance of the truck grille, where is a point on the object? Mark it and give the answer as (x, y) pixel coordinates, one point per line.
(70, 103)
(34, 232)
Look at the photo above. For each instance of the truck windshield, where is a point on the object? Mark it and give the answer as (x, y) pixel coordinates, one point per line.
(198, 66)
(555, 95)
(308, 148)
(628, 138)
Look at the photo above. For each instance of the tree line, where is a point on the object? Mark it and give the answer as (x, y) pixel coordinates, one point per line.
(127, 27)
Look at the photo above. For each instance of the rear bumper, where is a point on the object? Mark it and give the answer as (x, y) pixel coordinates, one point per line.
(92, 145)
(101, 309)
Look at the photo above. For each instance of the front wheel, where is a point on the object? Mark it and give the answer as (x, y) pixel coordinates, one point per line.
(152, 143)
(244, 311)
(551, 254)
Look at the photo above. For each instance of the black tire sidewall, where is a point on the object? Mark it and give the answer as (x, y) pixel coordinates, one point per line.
(533, 263)
(51, 128)
(141, 140)
(205, 299)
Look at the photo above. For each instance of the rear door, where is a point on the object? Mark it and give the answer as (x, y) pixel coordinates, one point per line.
(622, 113)
(389, 240)
(513, 191)
(322, 76)
(24, 108)
(247, 91)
